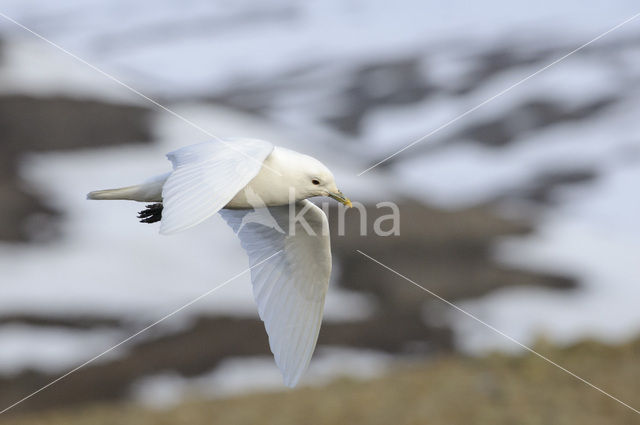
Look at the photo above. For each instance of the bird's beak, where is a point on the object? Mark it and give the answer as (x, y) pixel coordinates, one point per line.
(339, 196)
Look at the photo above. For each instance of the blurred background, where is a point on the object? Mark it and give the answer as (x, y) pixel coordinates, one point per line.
(524, 212)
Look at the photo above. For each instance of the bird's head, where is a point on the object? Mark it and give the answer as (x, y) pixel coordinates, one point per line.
(315, 179)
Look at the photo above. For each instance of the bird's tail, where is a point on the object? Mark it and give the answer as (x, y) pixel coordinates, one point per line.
(128, 193)
(150, 191)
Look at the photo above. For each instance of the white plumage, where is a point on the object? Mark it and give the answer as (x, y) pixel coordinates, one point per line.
(289, 287)
(205, 178)
(259, 186)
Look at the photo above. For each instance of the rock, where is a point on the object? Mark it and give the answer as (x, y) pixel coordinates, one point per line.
(29, 124)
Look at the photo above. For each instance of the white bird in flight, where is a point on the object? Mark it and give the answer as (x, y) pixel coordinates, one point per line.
(256, 187)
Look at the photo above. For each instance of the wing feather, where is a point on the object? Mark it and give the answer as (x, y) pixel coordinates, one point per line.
(289, 288)
(205, 177)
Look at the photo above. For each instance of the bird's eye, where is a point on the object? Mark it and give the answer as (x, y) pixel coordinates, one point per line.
(315, 181)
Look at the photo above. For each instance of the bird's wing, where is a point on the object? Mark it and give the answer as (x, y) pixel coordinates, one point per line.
(289, 287)
(205, 177)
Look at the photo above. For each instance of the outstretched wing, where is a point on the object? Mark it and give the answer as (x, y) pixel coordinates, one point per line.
(290, 287)
(205, 177)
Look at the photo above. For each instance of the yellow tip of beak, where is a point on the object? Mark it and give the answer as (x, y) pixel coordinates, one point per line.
(339, 196)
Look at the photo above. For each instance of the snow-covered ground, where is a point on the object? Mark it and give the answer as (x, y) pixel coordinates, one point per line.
(596, 238)
(183, 47)
(107, 263)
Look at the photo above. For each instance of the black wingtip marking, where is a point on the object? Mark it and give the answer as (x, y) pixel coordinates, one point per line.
(151, 214)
